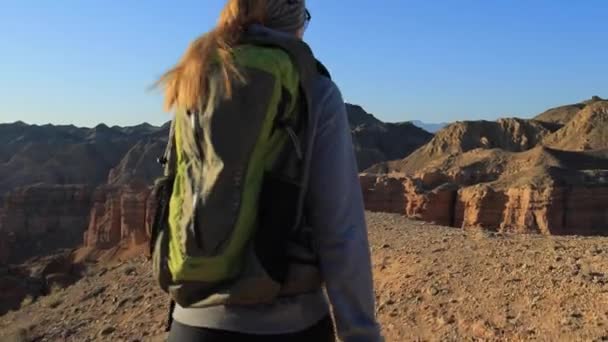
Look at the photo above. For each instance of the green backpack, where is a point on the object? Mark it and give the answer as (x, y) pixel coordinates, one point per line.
(229, 224)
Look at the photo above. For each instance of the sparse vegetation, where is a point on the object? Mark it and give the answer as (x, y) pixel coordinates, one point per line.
(29, 299)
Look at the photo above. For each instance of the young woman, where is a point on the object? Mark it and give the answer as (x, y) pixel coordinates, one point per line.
(334, 201)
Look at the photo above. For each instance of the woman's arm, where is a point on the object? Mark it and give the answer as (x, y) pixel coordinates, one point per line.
(338, 219)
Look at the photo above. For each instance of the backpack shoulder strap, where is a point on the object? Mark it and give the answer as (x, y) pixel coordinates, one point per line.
(169, 158)
(309, 69)
(300, 53)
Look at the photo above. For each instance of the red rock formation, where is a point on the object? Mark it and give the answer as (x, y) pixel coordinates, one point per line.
(405, 195)
(554, 210)
(120, 217)
(530, 210)
(482, 207)
(383, 193)
(436, 206)
(104, 224)
(586, 210)
(134, 216)
(42, 218)
(580, 209)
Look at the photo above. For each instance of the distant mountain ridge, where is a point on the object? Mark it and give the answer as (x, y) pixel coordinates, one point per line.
(63, 154)
(376, 141)
(430, 127)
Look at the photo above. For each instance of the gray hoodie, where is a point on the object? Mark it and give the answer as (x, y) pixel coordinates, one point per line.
(340, 234)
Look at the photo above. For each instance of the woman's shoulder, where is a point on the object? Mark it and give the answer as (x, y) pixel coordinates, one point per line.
(327, 99)
(326, 91)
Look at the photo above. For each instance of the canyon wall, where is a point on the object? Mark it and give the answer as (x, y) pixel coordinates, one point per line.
(41, 218)
(119, 216)
(552, 210)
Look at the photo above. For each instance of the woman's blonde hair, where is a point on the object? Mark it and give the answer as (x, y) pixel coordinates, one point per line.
(186, 84)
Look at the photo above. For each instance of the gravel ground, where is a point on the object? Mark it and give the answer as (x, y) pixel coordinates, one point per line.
(432, 284)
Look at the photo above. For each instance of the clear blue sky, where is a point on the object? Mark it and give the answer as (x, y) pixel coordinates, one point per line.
(85, 62)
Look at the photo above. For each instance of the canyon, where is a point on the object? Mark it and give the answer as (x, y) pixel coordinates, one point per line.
(547, 175)
(90, 188)
(75, 199)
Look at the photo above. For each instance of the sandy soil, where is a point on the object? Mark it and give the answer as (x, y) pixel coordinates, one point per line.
(432, 284)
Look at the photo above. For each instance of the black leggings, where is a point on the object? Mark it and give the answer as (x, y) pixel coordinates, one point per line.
(323, 331)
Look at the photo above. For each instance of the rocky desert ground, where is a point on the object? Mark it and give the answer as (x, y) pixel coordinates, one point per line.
(432, 284)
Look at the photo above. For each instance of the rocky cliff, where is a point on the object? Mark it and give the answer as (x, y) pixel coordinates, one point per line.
(376, 141)
(586, 130)
(49, 176)
(513, 175)
(39, 219)
(119, 216)
(563, 114)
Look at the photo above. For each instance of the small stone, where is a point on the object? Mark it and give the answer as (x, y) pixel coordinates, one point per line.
(67, 333)
(483, 329)
(433, 291)
(122, 303)
(107, 331)
(130, 270)
(446, 320)
(137, 299)
(96, 292)
(576, 315)
(56, 303)
(385, 246)
(102, 272)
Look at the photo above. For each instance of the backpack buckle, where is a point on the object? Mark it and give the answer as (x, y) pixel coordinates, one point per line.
(162, 160)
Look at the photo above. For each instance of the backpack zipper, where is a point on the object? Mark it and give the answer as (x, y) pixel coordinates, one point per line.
(295, 141)
(197, 236)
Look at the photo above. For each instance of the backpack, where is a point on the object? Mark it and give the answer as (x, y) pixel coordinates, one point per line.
(242, 240)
